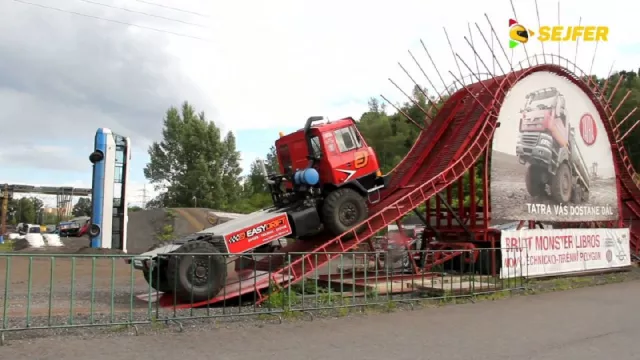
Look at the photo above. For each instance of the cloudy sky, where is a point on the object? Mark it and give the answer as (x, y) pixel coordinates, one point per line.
(255, 67)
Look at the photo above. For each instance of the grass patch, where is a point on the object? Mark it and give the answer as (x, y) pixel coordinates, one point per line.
(574, 282)
(7, 246)
(166, 234)
(322, 301)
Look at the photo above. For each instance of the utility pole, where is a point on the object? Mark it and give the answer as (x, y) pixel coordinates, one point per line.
(144, 196)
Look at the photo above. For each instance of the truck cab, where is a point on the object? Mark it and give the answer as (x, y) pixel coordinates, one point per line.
(544, 130)
(338, 152)
(328, 175)
(547, 144)
(545, 111)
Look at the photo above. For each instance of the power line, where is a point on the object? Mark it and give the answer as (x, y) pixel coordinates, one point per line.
(142, 13)
(173, 8)
(144, 195)
(111, 20)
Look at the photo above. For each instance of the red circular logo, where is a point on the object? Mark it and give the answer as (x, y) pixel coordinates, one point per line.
(588, 129)
(609, 255)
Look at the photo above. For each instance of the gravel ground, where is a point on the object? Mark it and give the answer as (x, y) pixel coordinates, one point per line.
(87, 270)
(153, 319)
(552, 326)
(509, 196)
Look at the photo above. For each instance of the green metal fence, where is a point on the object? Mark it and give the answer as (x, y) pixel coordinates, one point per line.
(43, 291)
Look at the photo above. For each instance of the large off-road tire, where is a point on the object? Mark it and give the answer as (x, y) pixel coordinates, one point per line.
(343, 209)
(561, 184)
(577, 194)
(197, 277)
(533, 180)
(153, 276)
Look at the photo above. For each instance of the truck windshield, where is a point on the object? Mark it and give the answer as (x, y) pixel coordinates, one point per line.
(540, 102)
(347, 138)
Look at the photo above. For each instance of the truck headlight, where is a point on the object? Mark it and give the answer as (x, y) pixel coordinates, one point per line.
(545, 142)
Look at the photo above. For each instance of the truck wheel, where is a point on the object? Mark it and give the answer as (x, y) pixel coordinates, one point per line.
(561, 184)
(343, 209)
(533, 181)
(152, 277)
(197, 277)
(576, 195)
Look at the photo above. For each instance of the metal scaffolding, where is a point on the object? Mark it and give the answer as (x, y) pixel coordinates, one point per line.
(64, 198)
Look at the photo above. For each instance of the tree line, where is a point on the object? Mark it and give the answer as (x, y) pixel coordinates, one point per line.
(31, 210)
(195, 165)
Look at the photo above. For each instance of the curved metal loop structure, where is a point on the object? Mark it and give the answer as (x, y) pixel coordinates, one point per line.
(459, 136)
(457, 143)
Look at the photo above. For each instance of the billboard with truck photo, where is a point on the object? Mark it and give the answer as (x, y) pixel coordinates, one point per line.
(551, 158)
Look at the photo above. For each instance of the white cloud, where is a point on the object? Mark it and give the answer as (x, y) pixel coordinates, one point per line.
(285, 60)
(266, 64)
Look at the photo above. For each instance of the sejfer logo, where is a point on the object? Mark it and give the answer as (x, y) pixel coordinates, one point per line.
(519, 34)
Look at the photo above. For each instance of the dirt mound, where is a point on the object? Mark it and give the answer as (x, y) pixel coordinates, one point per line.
(190, 220)
(148, 227)
(145, 228)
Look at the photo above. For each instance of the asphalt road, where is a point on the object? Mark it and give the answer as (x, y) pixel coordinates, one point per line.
(589, 323)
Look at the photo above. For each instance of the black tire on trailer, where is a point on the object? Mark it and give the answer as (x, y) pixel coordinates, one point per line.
(342, 209)
(197, 277)
(533, 181)
(561, 184)
(152, 278)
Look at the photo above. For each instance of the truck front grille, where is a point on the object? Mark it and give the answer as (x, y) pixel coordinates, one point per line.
(529, 139)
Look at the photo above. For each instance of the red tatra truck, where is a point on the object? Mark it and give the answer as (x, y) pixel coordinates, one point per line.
(547, 143)
(327, 174)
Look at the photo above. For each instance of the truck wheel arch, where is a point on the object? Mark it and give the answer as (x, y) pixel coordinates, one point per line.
(353, 184)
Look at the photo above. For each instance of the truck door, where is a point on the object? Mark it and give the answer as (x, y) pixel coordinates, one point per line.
(350, 159)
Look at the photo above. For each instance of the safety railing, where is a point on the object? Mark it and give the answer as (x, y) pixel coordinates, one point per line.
(41, 291)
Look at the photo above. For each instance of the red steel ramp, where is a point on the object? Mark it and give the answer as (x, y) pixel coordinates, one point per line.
(463, 129)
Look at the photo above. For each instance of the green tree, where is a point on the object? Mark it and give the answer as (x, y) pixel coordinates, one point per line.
(631, 85)
(82, 207)
(231, 171)
(193, 163)
(26, 210)
(272, 161)
(255, 189)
